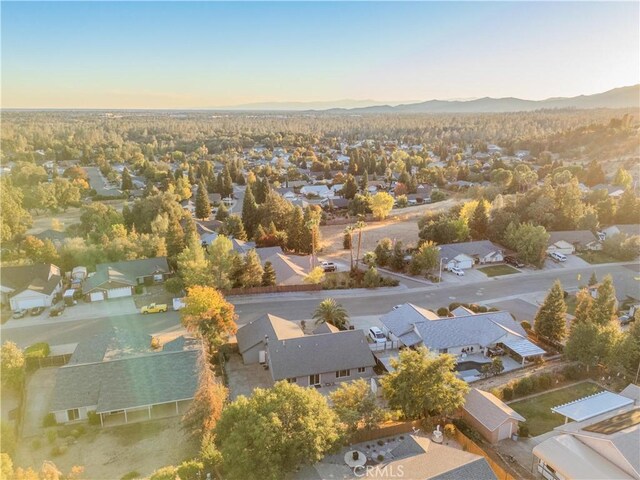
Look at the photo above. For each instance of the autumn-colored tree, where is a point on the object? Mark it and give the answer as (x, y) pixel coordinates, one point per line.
(209, 314)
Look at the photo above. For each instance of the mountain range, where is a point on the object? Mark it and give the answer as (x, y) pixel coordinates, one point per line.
(623, 97)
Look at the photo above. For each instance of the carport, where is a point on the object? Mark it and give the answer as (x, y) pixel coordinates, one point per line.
(144, 412)
(523, 348)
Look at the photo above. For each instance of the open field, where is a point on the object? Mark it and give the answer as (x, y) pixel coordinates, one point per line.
(46, 220)
(537, 410)
(498, 270)
(402, 225)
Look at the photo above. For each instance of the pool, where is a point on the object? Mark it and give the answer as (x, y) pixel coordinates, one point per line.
(469, 365)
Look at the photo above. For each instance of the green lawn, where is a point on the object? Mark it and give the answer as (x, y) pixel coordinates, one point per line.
(597, 257)
(537, 410)
(497, 270)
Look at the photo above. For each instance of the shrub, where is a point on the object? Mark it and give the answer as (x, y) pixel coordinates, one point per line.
(526, 325)
(481, 309)
(573, 372)
(52, 435)
(36, 444)
(164, 473)
(523, 430)
(454, 305)
(49, 420)
(131, 475)
(138, 289)
(58, 450)
(443, 312)
(507, 393)
(437, 196)
(190, 470)
(523, 387)
(545, 381)
(381, 442)
(37, 350)
(450, 430)
(94, 418)
(380, 457)
(469, 432)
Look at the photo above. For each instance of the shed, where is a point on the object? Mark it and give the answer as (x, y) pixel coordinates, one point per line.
(490, 416)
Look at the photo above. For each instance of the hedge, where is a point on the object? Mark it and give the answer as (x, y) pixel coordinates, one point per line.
(37, 350)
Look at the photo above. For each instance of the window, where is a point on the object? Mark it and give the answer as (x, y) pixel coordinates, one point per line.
(343, 373)
(362, 369)
(314, 379)
(443, 350)
(291, 380)
(73, 414)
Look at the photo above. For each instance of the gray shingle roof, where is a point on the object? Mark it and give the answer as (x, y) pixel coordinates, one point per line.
(477, 470)
(114, 274)
(269, 325)
(328, 352)
(575, 237)
(401, 320)
(42, 278)
(127, 383)
(480, 248)
(489, 410)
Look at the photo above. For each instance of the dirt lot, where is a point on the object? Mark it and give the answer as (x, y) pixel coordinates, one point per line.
(401, 225)
(72, 215)
(111, 452)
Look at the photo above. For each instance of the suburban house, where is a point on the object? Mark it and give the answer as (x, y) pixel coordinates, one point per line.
(464, 333)
(122, 378)
(316, 191)
(413, 457)
(466, 254)
(29, 286)
(290, 269)
(490, 416)
(572, 241)
(629, 230)
(601, 443)
(118, 279)
(319, 359)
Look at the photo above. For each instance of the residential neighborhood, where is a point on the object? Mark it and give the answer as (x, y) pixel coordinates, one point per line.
(211, 269)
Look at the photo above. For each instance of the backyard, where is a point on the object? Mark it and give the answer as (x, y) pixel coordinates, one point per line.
(595, 257)
(498, 270)
(537, 409)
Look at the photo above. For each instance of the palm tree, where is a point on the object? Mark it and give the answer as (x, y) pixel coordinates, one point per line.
(329, 311)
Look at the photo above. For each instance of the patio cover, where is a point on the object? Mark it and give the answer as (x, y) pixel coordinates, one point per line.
(591, 406)
(573, 459)
(524, 347)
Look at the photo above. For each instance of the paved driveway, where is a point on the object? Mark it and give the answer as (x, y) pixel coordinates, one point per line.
(244, 378)
(521, 309)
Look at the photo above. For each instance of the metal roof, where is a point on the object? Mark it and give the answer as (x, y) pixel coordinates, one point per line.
(591, 406)
(524, 347)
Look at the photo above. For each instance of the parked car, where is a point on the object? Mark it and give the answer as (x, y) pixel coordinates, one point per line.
(513, 261)
(19, 313)
(35, 311)
(376, 335)
(154, 308)
(56, 310)
(329, 266)
(457, 271)
(558, 257)
(624, 319)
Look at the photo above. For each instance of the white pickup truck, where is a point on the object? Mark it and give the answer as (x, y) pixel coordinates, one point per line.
(178, 303)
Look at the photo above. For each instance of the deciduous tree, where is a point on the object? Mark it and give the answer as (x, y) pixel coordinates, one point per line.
(208, 313)
(356, 406)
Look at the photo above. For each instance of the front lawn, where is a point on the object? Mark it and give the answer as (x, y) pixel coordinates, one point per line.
(597, 257)
(537, 410)
(497, 270)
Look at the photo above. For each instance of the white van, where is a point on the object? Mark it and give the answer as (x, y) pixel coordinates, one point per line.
(558, 257)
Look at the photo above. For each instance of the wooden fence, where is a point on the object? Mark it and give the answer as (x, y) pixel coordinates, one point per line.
(50, 361)
(274, 289)
(468, 445)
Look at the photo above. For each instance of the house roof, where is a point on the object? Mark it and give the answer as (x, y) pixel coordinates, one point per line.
(573, 459)
(290, 269)
(632, 391)
(267, 325)
(489, 410)
(325, 328)
(592, 406)
(327, 352)
(42, 278)
(481, 248)
(401, 320)
(108, 275)
(631, 230)
(574, 237)
(127, 383)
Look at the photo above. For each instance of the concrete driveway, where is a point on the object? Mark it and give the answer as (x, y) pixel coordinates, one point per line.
(573, 261)
(470, 275)
(521, 309)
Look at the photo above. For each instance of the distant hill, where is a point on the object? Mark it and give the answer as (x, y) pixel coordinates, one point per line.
(624, 97)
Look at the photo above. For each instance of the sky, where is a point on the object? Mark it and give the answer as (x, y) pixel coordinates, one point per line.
(214, 54)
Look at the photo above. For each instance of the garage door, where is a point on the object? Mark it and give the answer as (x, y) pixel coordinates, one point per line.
(119, 292)
(465, 264)
(26, 303)
(97, 296)
(505, 431)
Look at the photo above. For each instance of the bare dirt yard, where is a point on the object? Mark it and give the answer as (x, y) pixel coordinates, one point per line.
(401, 225)
(110, 452)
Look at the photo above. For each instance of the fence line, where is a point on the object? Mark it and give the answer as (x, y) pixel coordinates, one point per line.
(468, 445)
(273, 289)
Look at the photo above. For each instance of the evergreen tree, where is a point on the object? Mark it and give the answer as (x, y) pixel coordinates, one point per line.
(269, 275)
(603, 310)
(253, 271)
(236, 272)
(593, 279)
(203, 207)
(295, 230)
(397, 257)
(584, 302)
(127, 183)
(175, 238)
(550, 321)
(249, 213)
(364, 181)
(227, 183)
(628, 208)
(222, 214)
(233, 227)
(350, 188)
(479, 221)
(192, 175)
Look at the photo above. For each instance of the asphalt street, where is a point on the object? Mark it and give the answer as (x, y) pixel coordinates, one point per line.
(300, 306)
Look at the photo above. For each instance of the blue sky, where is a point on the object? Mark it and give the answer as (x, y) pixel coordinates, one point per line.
(206, 54)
